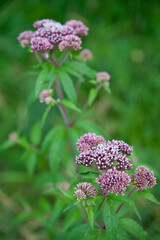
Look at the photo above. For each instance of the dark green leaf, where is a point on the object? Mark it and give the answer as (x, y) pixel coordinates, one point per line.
(148, 195)
(110, 219)
(51, 77)
(68, 86)
(78, 233)
(133, 227)
(82, 68)
(90, 216)
(31, 161)
(48, 108)
(92, 95)
(69, 104)
(36, 135)
(43, 76)
(7, 144)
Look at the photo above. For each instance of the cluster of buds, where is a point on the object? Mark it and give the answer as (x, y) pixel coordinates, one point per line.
(45, 96)
(103, 77)
(84, 190)
(86, 55)
(49, 33)
(111, 160)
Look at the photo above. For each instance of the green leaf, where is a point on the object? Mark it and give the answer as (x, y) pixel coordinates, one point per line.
(36, 135)
(56, 150)
(73, 72)
(148, 195)
(107, 89)
(31, 161)
(124, 199)
(51, 77)
(66, 193)
(48, 108)
(110, 219)
(7, 144)
(69, 104)
(82, 68)
(68, 86)
(122, 235)
(89, 126)
(133, 227)
(90, 216)
(12, 177)
(40, 80)
(78, 233)
(92, 95)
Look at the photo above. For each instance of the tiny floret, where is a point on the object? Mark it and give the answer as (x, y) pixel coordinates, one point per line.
(40, 23)
(78, 26)
(144, 178)
(113, 181)
(84, 190)
(25, 37)
(70, 42)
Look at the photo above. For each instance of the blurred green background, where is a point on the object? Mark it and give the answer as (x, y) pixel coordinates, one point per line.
(124, 37)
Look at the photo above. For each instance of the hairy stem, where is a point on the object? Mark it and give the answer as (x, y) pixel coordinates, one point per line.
(130, 193)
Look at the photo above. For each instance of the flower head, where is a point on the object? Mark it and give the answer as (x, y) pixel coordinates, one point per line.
(113, 181)
(86, 54)
(40, 23)
(39, 44)
(70, 42)
(144, 178)
(45, 96)
(78, 26)
(88, 141)
(103, 77)
(24, 38)
(13, 137)
(84, 190)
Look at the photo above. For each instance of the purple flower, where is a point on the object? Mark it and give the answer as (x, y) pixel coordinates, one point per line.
(40, 23)
(24, 38)
(84, 190)
(45, 96)
(39, 44)
(70, 42)
(88, 141)
(144, 178)
(86, 54)
(78, 26)
(85, 158)
(113, 181)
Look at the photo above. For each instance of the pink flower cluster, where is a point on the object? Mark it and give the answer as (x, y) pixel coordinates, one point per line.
(144, 178)
(94, 148)
(103, 77)
(86, 55)
(49, 33)
(45, 96)
(113, 181)
(84, 190)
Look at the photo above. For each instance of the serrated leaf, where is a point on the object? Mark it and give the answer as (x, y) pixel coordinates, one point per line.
(69, 104)
(68, 86)
(92, 95)
(110, 219)
(148, 195)
(133, 227)
(124, 199)
(36, 135)
(43, 76)
(90, 216)
(82, 68)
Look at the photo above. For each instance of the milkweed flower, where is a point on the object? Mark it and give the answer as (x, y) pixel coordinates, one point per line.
(24, 38)
(86, 54)
(39, 44)
(78, 26)
(45, 96)
(113, 181)
(84, 190)
(70, 42)
(89, 140)
(144, 178)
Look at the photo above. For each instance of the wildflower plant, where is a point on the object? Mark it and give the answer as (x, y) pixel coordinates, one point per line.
(106, 177)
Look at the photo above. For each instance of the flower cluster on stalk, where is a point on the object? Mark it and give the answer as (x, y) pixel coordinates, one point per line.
(50, 33)
(111, 160)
